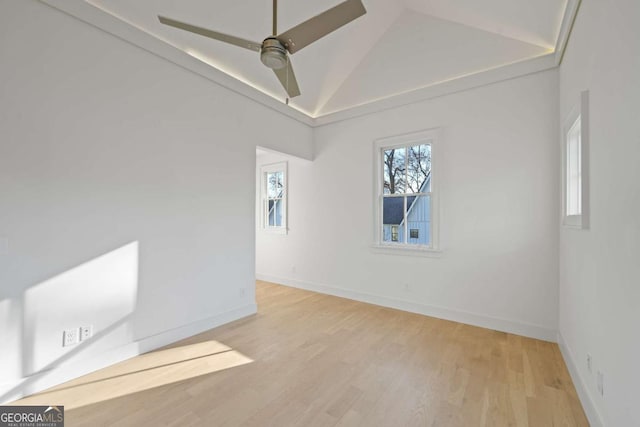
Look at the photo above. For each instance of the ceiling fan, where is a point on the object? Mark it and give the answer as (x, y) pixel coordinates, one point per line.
(275, 49)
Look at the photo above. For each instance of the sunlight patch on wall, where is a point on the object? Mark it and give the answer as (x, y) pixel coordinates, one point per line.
(101, 293)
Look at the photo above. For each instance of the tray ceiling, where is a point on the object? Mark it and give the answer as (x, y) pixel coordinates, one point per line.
(396, 48)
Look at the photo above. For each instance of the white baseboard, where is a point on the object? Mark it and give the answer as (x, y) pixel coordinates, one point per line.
(586, 398)
(483, 321)
(44, 380)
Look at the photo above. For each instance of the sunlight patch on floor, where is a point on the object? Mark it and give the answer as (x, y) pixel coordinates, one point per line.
(141, 373)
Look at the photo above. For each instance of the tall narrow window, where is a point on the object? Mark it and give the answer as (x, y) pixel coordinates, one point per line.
(274, 197)
(405, 211)
(575, 166)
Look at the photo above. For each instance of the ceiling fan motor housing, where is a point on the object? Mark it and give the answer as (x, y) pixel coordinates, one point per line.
(273, 54)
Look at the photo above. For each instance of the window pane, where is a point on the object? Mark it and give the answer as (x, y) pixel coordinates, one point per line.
(574, 174)
(271, 213)
(275, 211)
(392, 219)
(419, 169)
(394, 170)
(274, 184)
(278, 213)
(418, 219)
(276, 208)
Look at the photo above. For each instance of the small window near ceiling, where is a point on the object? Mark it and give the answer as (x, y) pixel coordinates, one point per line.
(274, 197)
(575, 194)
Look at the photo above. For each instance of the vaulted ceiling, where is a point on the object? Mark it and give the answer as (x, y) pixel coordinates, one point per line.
(398, 47)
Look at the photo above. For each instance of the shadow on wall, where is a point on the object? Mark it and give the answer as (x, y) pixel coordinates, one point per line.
(100, 293)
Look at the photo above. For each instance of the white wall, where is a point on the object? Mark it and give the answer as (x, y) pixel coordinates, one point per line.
(499, 203)
(600, 272)
(126, 194)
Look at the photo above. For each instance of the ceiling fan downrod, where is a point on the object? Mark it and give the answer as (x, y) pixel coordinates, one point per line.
(275, 18)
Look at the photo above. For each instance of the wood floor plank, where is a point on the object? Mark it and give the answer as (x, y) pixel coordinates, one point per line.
(308, 359)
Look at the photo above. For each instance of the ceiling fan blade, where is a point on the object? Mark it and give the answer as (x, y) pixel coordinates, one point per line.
(319, 26)
(237, 41)
(288, 80)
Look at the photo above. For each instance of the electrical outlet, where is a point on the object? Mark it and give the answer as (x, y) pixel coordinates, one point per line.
(406, 287)
(86, 332)
(589, 363)
(70, 337)
(601, 383)
(242, 292)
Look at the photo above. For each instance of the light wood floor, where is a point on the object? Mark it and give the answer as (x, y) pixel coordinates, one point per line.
(308, 359)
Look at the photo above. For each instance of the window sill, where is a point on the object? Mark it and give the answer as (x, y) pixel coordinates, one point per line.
(405, 250)
(281, 230)
(573, 221)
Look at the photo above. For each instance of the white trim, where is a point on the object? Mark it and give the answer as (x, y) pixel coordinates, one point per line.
(570, 13)
(44, 380)
(92, 15)
(475, 319)
(580, 111)
(586, 398)
(432, 137)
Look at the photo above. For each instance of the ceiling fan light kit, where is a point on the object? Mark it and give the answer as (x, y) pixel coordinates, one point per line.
(275, 49)
(273, 54)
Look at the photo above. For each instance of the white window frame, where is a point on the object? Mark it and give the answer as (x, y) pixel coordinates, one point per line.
(431, 137)
(579, 116)
(264, 200)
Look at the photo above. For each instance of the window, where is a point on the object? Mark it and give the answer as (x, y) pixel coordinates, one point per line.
(274, 197)
(574, 166)
(405, 201)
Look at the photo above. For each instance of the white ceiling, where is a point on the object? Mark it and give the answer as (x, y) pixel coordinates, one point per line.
(397, 47)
